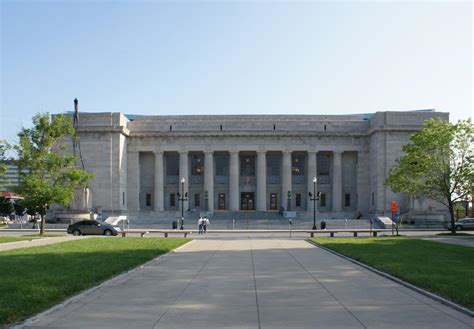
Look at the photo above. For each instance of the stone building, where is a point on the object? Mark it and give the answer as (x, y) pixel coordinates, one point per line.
(260, 163)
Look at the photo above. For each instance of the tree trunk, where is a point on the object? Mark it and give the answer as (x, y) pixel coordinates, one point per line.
(43, 220)
(451, 213)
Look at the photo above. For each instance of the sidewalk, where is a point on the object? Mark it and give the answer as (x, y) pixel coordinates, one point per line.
(459, 240)
(251, 283)
(36, 242)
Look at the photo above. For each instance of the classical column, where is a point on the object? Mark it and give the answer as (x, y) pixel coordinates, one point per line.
(183, 172)
(285, 179)
(209, 178)
(133, 180)
(312, 172)
(159, 181)
(234, 181)
(261, 181)
(337, 181)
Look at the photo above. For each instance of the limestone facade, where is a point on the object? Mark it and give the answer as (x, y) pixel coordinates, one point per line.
(246, 163)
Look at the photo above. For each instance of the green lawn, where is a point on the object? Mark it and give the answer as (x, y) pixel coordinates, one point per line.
(34, 279)
(444, 269)
(6, 239)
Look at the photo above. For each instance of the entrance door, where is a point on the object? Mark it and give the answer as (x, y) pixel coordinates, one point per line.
(221, 201)
(247, 201)
(273, 201)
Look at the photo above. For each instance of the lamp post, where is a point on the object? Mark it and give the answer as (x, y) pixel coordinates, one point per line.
(183, 197)
(206, 201)
(314, 197)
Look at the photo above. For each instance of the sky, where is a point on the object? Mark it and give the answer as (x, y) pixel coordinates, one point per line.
(228, 57)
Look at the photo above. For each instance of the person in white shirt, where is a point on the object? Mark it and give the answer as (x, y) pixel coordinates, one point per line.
(205, 223)
(200, 224)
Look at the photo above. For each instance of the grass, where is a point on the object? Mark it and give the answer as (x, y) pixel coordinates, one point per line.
(444, 269)
(34, 279)
(6, 239)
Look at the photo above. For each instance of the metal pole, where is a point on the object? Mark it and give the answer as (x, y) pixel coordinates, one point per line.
(182, 206)
(392, 223)
(314, 206)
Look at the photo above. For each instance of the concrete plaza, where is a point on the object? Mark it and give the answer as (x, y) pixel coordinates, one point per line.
(251, 283)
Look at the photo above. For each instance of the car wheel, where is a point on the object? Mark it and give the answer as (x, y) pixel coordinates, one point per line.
(108, 232)
(458, 228)
(76, 232)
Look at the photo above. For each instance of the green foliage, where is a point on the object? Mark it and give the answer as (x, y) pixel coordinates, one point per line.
(444, 269)
(6, 206)
(438, 163)
(47, 171)
(40, 277)
(4, 147)
(19, 206)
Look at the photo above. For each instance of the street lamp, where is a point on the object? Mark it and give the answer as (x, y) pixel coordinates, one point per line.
(314, 197)
(206, 201)
(182, 198)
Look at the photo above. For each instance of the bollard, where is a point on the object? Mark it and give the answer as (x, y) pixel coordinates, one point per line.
(233, 224)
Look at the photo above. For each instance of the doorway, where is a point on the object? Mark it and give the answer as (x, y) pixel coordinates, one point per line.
(273, 201)
(247, 201)
(221, 201)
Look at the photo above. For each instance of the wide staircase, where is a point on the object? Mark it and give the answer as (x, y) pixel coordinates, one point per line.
(241, 220)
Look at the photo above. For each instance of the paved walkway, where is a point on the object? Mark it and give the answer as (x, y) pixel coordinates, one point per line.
(36, 242)
(252, 283)
(460, 240)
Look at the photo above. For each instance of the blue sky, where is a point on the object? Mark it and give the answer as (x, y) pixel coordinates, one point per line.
(261, 57)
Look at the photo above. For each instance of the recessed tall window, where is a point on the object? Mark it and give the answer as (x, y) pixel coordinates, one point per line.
(172, 200)
(221, 165)
(323, 164)
(148, 200)
(297, 165)
(172, 165)
(247, 165)
(347, 200)
(197, 165)
(298, 199)
(197, 200)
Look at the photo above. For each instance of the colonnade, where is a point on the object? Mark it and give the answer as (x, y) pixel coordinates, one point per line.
(234, 181)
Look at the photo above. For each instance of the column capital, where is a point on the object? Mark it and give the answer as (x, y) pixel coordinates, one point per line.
(183, 152)
(158, 152)
(208, 152)
(262, 152)
(234, 152)
(337, 152)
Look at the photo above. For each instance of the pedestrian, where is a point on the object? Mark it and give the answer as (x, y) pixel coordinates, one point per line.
(206, 222)
(200, 224)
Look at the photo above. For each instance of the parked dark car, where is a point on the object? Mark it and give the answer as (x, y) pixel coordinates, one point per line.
(462, 224)
(92, 227)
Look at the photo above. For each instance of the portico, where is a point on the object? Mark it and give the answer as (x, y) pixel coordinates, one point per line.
(261, 179)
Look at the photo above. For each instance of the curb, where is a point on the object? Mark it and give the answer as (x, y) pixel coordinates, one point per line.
(80, 295)
(428, 294)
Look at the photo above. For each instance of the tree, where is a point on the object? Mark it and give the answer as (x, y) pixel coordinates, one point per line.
(6, 206)
(438, 164)
(4, 147)
(19, 207)
(47, 172)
